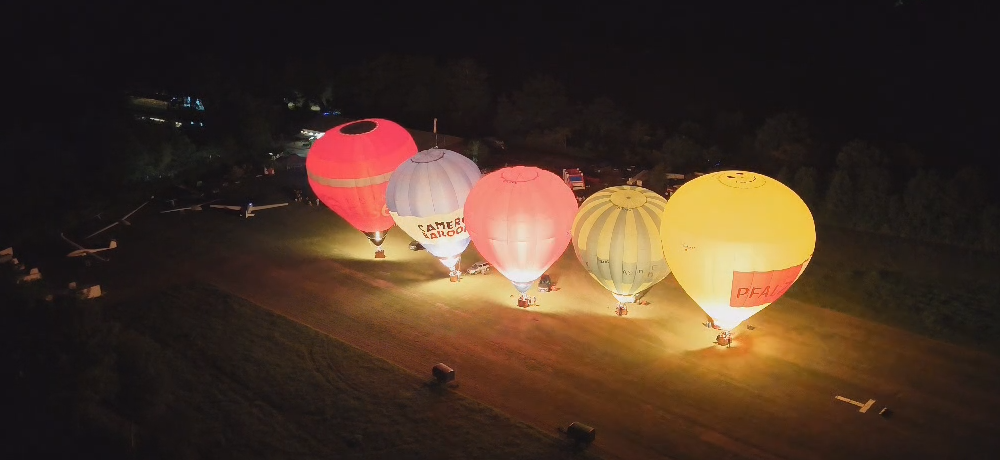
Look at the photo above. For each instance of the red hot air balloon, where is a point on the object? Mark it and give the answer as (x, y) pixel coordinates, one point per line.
(349, 169)
(520, 219)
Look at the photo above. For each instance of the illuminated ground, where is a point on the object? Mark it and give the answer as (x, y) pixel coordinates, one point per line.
(652, 383)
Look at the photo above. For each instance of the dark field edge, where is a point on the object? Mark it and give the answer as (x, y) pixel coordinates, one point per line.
(943, 292)
(196, 372)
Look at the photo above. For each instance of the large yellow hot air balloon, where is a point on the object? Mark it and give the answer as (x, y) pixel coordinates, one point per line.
(736, 242)
(616, 236)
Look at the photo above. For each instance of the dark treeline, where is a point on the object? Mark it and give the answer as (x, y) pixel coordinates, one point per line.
(873, 186)
(101, 153)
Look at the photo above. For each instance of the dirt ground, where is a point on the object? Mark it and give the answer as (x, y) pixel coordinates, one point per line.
(652, 383)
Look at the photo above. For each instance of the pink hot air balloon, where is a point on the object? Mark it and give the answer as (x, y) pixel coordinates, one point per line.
(520, 219)
(349, 169)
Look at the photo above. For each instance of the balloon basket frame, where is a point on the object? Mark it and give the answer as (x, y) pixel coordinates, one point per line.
(380, 254)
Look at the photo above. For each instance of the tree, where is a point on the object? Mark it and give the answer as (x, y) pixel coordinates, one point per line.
(963, 200)
(692, 130)
(806, 185)
(468, 94)
(989, 229)
(509, 120)
(865, 164)
(478, 152)
(727, 130)
(785, 137)
(923, 203)
(658, 178)
(683, 153)
(784, 175)
(405, 87)
(156, 152)
(858, 154)
(540, 104)
(601, 123)
(839, 200)
(639, 134)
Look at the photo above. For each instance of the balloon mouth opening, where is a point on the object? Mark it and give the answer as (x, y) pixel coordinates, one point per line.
(628, 199)
(726, 326)
(519, 174)
(451, 263)
(522, 286)
(358, 127)
(741, 179)
(622, 298)
(377, 238)
(428, 156)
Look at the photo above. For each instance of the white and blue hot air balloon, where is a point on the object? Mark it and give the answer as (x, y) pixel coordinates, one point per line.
(426, 198)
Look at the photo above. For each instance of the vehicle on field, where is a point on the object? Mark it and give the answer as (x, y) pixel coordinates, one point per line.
(479, 268)
(545, 283)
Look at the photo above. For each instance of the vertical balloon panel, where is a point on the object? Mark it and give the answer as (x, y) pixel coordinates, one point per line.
(737, 241)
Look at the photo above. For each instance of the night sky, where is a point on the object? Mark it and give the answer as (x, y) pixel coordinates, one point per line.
(919, 71)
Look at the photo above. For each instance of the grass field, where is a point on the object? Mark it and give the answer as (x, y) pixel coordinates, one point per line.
(205, 374)
(222, 378)
(939, 291)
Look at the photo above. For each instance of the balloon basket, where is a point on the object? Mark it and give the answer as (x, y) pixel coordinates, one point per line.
(724, 339)
(454, 279)
(523, 303)
(621, 310)
(380, 254)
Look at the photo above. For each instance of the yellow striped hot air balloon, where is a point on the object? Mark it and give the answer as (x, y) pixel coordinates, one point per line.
(616, 236)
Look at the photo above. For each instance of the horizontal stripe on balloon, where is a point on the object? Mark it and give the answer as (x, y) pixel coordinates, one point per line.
(350, 183)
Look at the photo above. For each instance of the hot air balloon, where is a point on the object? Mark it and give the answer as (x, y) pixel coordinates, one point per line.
(616, 236)
(520, 219)
(349, 169)
(426, 198)
(736, 242)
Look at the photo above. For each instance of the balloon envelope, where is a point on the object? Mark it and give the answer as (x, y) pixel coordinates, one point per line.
(520, 219)
(426, 198)
(350, 166)
(616, 236)
(736, 242)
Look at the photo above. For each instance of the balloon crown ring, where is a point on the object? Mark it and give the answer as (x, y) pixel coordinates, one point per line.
(428, 156)
(519, 175)
(627, 199)
(358, 127)
(740, 179)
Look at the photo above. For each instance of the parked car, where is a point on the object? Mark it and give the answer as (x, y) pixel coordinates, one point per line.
(479, 268)
(416, 246)
(544, 283)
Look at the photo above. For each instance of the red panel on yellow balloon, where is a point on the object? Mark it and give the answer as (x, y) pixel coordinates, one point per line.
(754, 289)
